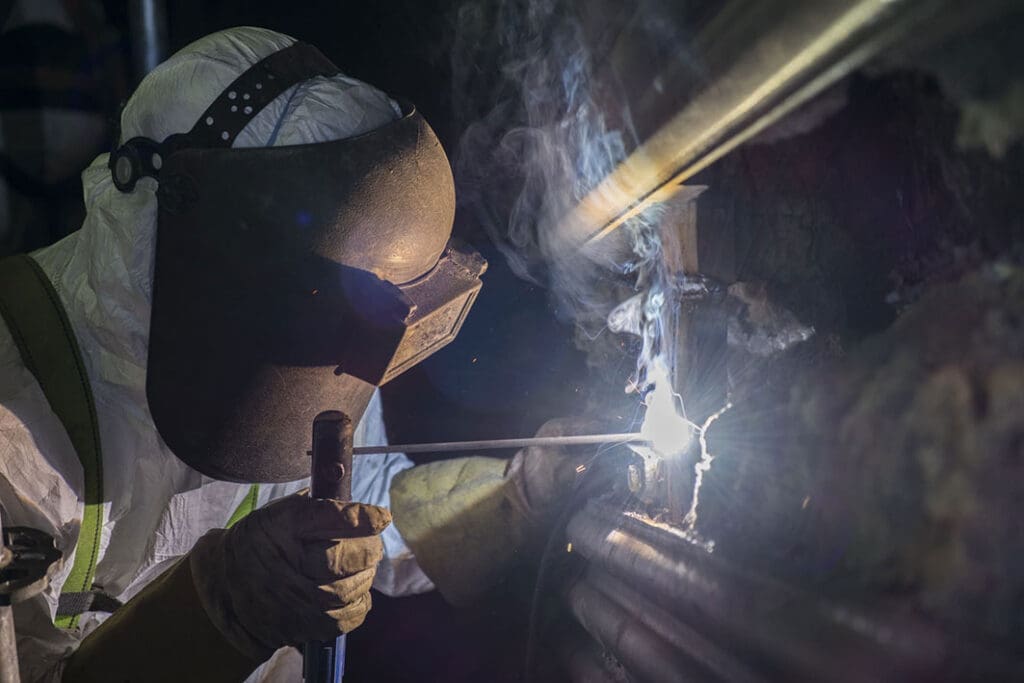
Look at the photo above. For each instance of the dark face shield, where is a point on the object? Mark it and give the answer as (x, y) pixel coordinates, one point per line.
(291, 280)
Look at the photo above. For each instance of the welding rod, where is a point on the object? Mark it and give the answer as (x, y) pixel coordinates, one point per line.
(491, 444)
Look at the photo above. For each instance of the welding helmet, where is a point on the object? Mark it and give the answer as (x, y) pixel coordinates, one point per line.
(290, 280)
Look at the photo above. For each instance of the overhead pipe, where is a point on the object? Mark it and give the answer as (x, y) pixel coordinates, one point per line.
(763, 60)
(147, 21)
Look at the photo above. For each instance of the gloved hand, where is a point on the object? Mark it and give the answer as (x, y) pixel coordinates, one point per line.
(538, 476)
(298, 569)
(467, 519)
(295, 570)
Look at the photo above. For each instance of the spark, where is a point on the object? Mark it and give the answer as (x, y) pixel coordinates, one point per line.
(702, 465)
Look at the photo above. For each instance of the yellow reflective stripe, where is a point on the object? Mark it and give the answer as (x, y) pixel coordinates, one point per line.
(247, 505)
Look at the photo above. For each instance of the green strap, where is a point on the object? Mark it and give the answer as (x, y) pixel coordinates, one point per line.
(247, 505)
(40, 328)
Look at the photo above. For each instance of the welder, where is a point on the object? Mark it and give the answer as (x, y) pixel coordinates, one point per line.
(268, 239)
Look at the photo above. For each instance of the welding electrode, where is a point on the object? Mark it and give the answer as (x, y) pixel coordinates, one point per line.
(492, 444)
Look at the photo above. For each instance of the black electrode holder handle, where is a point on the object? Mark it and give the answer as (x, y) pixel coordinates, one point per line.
(324, 662)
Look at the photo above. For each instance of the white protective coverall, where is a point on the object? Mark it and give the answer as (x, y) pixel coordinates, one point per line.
(157, 507)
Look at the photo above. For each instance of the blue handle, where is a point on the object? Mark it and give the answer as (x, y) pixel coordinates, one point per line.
(339, 658)
(324, 662)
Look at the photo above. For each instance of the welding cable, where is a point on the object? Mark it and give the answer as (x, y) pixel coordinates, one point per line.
(554, 540)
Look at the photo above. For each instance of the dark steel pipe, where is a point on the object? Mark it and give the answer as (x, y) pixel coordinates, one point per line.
(644, 654)
(775, 629)
(147, 21)
(714, 658)
(756, 617)
(584, 662)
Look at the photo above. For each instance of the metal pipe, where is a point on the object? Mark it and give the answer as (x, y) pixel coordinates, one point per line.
(716, 658)
(776, 629)
(645, 655)
(763, 59)
(583, 663)
(493, 444)
(148, 28)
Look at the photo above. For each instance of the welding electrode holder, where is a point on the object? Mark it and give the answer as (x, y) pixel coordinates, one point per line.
(324, 662)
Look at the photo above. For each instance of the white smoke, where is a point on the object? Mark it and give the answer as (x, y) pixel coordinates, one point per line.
(542, 135)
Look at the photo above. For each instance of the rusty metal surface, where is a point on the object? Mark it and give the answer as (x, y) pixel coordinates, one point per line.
(741, 626)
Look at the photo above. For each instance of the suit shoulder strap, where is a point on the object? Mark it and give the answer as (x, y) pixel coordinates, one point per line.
(41, 330)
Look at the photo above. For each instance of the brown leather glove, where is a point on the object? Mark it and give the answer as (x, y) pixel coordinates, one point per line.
(298, 569)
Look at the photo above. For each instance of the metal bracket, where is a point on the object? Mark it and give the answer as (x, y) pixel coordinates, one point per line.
(25, 563)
